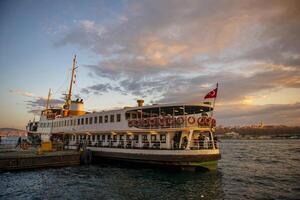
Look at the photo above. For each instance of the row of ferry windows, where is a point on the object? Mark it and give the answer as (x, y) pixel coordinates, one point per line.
(154, 138)
(84, 121)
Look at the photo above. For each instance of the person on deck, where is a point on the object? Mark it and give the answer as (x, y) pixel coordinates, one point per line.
(19, 142)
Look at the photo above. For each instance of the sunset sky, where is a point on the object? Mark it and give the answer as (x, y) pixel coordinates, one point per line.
(160, 50)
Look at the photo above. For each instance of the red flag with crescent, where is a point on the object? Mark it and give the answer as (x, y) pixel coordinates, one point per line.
(212, 94)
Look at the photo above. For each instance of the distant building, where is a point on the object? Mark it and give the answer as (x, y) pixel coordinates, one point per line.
(232, 134)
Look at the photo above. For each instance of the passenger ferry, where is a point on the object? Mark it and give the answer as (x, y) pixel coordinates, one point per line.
(175, 134)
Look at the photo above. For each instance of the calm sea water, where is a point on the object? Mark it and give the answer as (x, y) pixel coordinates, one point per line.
(249, 169)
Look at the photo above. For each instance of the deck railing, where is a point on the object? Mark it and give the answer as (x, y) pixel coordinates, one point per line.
(134, 144)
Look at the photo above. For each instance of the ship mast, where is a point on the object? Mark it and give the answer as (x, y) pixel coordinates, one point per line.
(68, 100)
(48, 100)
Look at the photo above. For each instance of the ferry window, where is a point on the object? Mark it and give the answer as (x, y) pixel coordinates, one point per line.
(153, 138)
(136, 137)
(74, 122)
(112, 118)
(121, 137)
(103, 137)
(128, 137)
(163, 138)
(71, 122)
(145, 138)
(65, 123)
(118, 117)
(106, 119)
(115, 137)
(95, 120)
(98, 137)
(89, 138)
(109, 137)
(86, 120)
(82, 121)
(100, 119)
(78, 121)
(91, 120)
(93, 137)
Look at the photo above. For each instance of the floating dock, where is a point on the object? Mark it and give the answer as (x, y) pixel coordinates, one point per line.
(18, 160)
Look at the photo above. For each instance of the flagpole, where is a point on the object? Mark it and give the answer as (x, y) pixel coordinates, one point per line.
(214, 101)
(212, 114)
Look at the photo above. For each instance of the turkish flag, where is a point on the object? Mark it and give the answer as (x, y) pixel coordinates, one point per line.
(212, 94)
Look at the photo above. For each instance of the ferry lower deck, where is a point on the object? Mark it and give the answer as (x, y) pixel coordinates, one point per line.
(186, 149)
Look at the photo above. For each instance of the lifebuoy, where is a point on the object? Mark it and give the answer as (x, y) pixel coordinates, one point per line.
(201, 121)
(180, 120)
(135, 123)
(168, 120)
(214, 122)
(145, 122)
(161, 121)
(191, 120)
(208, 121)
(130, 123)
(153, 121)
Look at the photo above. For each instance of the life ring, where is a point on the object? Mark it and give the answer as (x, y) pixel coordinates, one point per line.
(207, 121)
(191, 120)
(135, 123)
(201, 121)
(168, 120)
(161, 121)
(180, 120)
(214, 122)
(145, 122)
(130, 123)
(153, 121)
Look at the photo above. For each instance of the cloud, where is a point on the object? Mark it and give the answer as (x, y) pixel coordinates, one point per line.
(170, 50)
(35, 104)
(101, 88)
(21, 93)
(250, 114)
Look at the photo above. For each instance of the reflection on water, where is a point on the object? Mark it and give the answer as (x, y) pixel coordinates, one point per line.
(265, 169)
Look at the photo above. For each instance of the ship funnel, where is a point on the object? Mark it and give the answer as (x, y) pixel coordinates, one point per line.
(140, 102)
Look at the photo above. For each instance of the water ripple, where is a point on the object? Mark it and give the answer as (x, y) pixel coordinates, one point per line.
(262, 169)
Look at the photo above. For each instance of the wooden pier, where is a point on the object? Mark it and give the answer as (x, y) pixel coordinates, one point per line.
(17, 160)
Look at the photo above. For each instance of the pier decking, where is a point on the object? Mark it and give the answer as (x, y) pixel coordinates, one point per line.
(18, 160)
